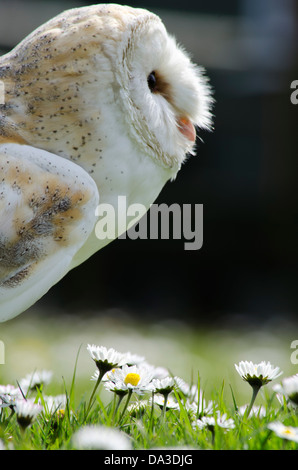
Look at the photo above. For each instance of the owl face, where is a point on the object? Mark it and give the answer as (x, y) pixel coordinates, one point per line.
(163, 93)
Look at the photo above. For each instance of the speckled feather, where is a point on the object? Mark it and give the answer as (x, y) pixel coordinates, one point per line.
(47, 211)
(80, 125)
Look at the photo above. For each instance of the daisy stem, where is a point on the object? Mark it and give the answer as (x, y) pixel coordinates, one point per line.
(100, 376)
(126, 403)
(212, 436)
(152, 411)
(166, 394)
(120, 398)
(255, 390)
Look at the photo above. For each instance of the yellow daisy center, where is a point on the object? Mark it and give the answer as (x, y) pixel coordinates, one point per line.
(132, 379)
(60, 414)
(289, 431)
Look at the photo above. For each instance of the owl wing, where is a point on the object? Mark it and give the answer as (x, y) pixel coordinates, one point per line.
(47, 212)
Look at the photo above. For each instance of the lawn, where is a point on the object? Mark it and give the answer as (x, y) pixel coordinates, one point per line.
(67, 407)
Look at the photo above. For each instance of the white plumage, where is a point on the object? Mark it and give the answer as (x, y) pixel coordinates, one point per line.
(99, 102)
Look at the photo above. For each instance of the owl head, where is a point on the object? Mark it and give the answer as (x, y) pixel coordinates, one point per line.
(164, 93)
(93, 66)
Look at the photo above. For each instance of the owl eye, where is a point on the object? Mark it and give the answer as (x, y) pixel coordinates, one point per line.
(152, 82)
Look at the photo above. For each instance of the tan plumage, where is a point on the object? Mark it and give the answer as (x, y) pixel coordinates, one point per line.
(81, 124)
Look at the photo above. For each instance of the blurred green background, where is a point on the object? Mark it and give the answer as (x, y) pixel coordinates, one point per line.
(236, 298)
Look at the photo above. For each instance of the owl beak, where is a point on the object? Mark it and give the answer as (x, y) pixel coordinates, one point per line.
(187, 128)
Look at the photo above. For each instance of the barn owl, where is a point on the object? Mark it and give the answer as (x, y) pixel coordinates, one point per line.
(100, 101)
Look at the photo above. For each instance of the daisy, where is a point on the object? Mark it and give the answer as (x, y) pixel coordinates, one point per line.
(26, 412)
(55, 403)
(134, 378)
(289, 388)
(286, 432)
(156, 372)
(129, 380)
(35, 380)
(8, 389)
(8, 395)
(210, 423)
(167, 385)
(168, 404)
(133, 359)
(190, 391)
(106, 359)
(258, 411)
(100, 438)
(257, 375)
(138, 408)
(200, 409)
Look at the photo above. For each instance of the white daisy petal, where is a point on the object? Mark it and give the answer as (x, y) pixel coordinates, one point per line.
(171, 403)
(286, 432)
(8, 395)
(35, 380)
(106, 359)
(257, 374)
(168, 384)
(100, 438)
(259, 411)
(26, 412)
(210, 422)
(134, 378)
(289, 389)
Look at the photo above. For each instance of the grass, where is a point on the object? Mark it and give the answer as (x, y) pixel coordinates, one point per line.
(202, 357)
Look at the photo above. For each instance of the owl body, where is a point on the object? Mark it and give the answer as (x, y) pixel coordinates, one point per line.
(101, 95)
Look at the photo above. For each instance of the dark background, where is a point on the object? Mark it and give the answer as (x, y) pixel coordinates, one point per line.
(245, 175)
